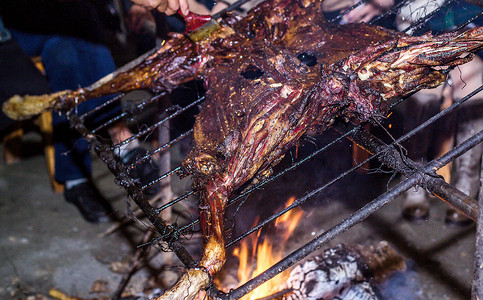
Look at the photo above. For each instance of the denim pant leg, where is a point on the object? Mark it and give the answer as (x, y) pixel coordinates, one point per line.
(72, 154)
(70, 63)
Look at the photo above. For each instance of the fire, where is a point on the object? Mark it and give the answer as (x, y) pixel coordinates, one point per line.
(267, 251)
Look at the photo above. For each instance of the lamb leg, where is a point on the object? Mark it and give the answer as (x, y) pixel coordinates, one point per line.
(357, 86)
(212, 211)
(176, 62)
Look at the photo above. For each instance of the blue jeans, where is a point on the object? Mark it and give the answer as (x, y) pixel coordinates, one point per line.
(70, 63)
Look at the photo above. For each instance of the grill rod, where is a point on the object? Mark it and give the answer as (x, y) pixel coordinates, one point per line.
(168, 233)
(353, 219)
(157, 225)
(391, 157)
(446, 193)
(477, 283)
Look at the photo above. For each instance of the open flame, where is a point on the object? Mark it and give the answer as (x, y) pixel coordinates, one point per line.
(266, 250)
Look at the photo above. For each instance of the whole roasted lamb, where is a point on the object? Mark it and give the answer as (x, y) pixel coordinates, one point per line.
(270, 77)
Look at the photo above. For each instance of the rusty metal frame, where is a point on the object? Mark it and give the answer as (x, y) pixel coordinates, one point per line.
(388, 154)
(353, 219)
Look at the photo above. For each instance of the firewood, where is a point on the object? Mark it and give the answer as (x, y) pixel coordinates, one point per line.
(344, 272)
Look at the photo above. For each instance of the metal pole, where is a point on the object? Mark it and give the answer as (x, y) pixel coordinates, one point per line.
(391, 157)
(477, 283)
(354, 218)
(122, 178)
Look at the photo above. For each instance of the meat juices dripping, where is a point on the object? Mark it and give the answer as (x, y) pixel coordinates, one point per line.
(270, 77)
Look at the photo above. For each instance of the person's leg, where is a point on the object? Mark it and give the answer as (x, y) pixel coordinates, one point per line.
(465, 174)
(72, 154)
(144, 170)
(31, 43)
(64, 67)
(70, 63)
(419, 108)
(81, 63)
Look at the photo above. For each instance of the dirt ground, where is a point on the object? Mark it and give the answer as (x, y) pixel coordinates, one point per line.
(45, 244)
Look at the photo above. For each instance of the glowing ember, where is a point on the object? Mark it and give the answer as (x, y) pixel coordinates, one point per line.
(267, 251)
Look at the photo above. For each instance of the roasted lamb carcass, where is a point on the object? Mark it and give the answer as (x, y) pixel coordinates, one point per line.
(298, 74)
(270, 77)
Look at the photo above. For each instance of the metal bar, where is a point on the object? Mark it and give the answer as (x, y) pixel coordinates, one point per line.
(353, 219)
(161, 178)
(477, 282)
(416, 25)
(393, 10)
(167, 232)
(467, 22)
(180, 198)
(170, 143)
(161, 148)
(439, 115)
(152, 127)
(138, 107)
(347, 11)
(393, 159)
(453, 196)
(102, 105)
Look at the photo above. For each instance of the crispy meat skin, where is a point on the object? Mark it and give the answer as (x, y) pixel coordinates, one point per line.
(270, 77)
(249, 122)
(262, 98)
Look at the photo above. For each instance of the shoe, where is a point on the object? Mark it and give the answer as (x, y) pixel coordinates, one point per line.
(415, 213)
(415, 205)
(456, 219)
(93, 207)
(145, 172)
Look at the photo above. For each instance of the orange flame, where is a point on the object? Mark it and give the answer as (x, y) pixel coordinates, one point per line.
(267, 253)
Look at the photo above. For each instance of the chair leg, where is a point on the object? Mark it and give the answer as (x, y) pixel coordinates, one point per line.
(45, 124)
(12, 146)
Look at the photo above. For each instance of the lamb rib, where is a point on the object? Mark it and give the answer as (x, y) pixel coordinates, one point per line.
(241, 133)
(270, 77)
(259, 106)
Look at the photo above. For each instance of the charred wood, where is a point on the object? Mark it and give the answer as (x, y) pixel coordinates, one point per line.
(344, 272)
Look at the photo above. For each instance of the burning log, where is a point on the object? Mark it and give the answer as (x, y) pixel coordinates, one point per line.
(344, 272)
(259, 251)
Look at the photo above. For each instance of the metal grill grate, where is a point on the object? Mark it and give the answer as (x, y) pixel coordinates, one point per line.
(173, 234)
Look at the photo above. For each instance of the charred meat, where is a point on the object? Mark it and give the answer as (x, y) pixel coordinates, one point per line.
(294, 72)
(270, 77)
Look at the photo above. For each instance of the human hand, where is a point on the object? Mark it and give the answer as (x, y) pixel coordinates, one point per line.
(168, 7)
(365, 12)
(137, 17)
